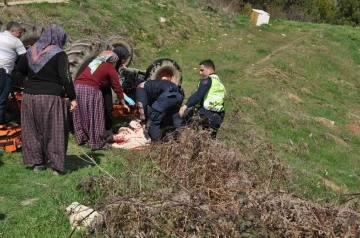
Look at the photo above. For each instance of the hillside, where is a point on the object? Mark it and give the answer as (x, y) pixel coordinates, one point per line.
(292, 95)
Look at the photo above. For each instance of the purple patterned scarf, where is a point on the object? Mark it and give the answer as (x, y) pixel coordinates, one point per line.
(49, 44)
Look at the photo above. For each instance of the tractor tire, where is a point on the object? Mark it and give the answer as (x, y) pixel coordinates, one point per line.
(164, 65)
(82, 52)
(31, 33)
(115, 41)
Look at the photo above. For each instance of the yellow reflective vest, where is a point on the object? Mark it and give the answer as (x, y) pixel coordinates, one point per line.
(214, 98)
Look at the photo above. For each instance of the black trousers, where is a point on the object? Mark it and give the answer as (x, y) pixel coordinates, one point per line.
(208, 119)
(108, 105)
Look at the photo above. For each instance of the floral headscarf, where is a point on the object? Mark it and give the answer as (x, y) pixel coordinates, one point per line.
(105, 56)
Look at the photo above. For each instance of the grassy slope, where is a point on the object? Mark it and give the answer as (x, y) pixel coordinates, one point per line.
(317, 63)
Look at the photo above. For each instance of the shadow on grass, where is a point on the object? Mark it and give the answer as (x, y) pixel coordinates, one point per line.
(74, 163)
(2, 216)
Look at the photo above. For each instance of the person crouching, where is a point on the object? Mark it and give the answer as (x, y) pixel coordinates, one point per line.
(162, 96)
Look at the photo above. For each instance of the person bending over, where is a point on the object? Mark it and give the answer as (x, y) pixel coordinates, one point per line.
(89, 121)
(162, 96)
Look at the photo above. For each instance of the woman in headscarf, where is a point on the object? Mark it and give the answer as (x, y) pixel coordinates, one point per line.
(123, 55)
(88, 120)
(44, 111)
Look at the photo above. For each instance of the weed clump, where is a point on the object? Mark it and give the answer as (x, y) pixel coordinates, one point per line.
(209, 190)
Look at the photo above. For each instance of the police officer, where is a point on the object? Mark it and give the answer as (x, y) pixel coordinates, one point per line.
(210, 95)
(162, 96)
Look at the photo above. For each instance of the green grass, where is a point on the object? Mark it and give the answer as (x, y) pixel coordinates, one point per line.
(49, 195)
(316, 62)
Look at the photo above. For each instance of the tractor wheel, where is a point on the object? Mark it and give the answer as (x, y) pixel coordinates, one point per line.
(115, 41)
(82, 52)
(31, 33)
(164, 67)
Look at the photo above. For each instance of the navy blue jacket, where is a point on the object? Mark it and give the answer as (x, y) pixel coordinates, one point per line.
(199, 95)
(152, 90)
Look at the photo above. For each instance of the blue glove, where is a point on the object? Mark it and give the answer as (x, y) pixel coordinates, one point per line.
(129, 100)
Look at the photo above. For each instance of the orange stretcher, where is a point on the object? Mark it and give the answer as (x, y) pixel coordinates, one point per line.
(10, 137)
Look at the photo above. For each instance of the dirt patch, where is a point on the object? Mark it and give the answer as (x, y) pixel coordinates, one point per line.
(333, 186)
(338, 140)
(249, 100)
(277, 73)
(267, 57)
(342, 81)
(325, 121)
(353, 116)
(306, 90)
(2, 199)
(293, 97)
(29, 201)
(355, 129)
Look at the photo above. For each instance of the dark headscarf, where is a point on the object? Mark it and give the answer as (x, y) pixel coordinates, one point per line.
(50, 43)
(122, 53)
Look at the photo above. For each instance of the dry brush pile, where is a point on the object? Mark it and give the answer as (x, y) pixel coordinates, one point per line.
(209, 190)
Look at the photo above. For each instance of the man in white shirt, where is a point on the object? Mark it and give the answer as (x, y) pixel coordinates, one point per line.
(11, 48)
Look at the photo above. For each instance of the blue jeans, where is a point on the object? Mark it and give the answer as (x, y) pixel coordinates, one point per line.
(5, 88)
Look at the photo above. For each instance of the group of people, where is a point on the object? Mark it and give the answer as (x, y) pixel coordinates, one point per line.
(165, 99)
(50, 94)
